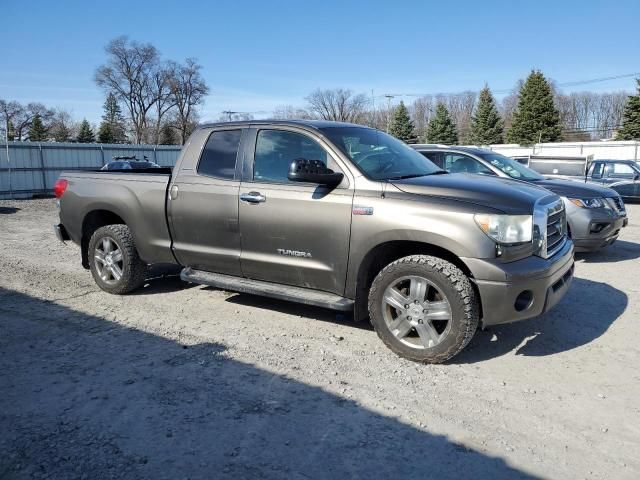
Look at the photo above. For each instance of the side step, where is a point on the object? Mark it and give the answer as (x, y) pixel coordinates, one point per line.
(267, 289)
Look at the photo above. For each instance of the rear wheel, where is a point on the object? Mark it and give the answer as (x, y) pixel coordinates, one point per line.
(423, 308)
(114, 261)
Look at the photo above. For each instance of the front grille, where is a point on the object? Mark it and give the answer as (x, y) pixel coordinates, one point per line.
(556, 228)
(618, 203)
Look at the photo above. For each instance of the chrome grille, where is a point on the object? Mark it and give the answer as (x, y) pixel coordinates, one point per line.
(556, 234)
(618, 204)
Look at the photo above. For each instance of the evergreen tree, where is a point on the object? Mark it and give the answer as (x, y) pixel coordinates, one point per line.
(402, 127)
(168, 135)
(112, 127)
(486, 124)
(37, 132)
(441, 128)
(105, 133)
(85, 134)
(631, 118)
(536, 118)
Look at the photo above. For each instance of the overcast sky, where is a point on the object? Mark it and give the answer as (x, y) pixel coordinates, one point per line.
(257, 55)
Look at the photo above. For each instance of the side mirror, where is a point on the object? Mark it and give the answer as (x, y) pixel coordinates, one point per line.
(636, 176)
(313, 171)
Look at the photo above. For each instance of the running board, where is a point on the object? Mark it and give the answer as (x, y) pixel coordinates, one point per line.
(268, 289)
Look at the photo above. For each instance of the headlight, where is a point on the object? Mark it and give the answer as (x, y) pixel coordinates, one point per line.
(588, 202)
(506, 229)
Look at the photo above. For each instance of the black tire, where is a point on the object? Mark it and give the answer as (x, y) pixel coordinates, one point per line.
(132, 267)
(451, 283)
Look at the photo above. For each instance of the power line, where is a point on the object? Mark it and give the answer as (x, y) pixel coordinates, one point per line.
(509, 90)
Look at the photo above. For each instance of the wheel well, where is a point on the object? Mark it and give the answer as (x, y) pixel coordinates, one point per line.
(382, 255)
(92, 222)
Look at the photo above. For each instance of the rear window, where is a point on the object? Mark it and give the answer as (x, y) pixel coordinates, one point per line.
(218, 158)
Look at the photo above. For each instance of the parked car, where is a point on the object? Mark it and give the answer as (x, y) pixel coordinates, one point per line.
(623, 176)
(129, 163)
(329, 214)
(595, 215)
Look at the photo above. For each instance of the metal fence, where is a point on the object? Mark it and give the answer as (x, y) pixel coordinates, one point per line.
(33, 167)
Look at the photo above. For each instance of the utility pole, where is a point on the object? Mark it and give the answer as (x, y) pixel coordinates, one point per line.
(230, 113)
(389, 97)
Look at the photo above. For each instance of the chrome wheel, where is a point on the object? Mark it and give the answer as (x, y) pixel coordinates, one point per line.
(416, 312)
(108, 260)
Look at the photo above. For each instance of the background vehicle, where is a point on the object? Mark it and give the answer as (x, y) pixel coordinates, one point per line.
(329, 214)
(129, 163)
(595, 215)
(623, 176)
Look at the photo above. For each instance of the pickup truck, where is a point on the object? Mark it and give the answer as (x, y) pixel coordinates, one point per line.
(330, 214)
(595, 215)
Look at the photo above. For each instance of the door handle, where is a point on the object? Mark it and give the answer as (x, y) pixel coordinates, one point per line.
(253, 197)
(173, 192)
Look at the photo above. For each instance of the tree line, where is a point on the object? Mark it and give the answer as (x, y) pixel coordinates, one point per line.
(536, 111)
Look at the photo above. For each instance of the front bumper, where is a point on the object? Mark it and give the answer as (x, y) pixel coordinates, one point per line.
(594, 228)
(522, 289)
(609, 231)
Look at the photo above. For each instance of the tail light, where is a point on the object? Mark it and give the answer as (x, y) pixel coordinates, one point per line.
(60, 187)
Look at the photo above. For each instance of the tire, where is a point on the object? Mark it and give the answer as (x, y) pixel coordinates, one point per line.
(119, 269)
(443, 311)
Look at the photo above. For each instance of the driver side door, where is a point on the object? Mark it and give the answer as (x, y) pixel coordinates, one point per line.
(291, 232)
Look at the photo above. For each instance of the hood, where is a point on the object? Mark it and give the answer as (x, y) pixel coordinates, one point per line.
(509, 196)
(574, 188)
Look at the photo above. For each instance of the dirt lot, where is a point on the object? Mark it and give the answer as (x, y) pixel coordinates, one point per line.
(182, 381)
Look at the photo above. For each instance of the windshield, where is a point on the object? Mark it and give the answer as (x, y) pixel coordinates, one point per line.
(380, 156)
(511, 167)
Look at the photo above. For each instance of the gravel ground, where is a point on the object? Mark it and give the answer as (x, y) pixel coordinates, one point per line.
(182, 381)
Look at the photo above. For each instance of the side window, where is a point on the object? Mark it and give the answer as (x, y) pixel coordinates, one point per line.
(276, 149)
(435, 157)
(218, 158)
(620, 170)
(456, 163)
(596, 170)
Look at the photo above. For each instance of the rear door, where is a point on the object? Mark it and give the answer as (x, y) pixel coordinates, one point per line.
(621, 177)
(203, 205)
(293, 233)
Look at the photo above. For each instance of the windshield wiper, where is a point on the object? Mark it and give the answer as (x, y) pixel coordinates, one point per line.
(415, 175)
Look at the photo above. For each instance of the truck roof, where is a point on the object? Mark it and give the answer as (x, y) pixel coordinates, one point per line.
(316, 124)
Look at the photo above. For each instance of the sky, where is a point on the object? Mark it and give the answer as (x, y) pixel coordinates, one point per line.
(258, 55)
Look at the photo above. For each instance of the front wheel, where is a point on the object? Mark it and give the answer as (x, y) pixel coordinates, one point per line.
(114, 261)
(423, 308)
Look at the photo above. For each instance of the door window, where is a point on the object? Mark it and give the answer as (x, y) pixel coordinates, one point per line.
(218, 158)
(435, 157)
(596, 170)
(456, 163)
(276, 149)
(620, 170)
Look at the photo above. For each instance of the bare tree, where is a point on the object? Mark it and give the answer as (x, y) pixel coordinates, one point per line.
(188, 90)
(62, 127)
(339, 104)
(161, 90)
(289, 112)
(9, 111)
(129, 75)
(19, 117)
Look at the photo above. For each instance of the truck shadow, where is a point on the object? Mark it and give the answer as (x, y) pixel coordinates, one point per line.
(583, 315)
(83, 396)
(8, 210)
(620, 251)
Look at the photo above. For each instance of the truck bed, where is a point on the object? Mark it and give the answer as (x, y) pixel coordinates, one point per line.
(138, 197)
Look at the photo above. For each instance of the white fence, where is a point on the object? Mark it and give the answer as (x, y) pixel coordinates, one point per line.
(599, 150)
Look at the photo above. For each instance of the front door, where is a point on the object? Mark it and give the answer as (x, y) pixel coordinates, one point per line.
(203, 206)
(292, 233)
